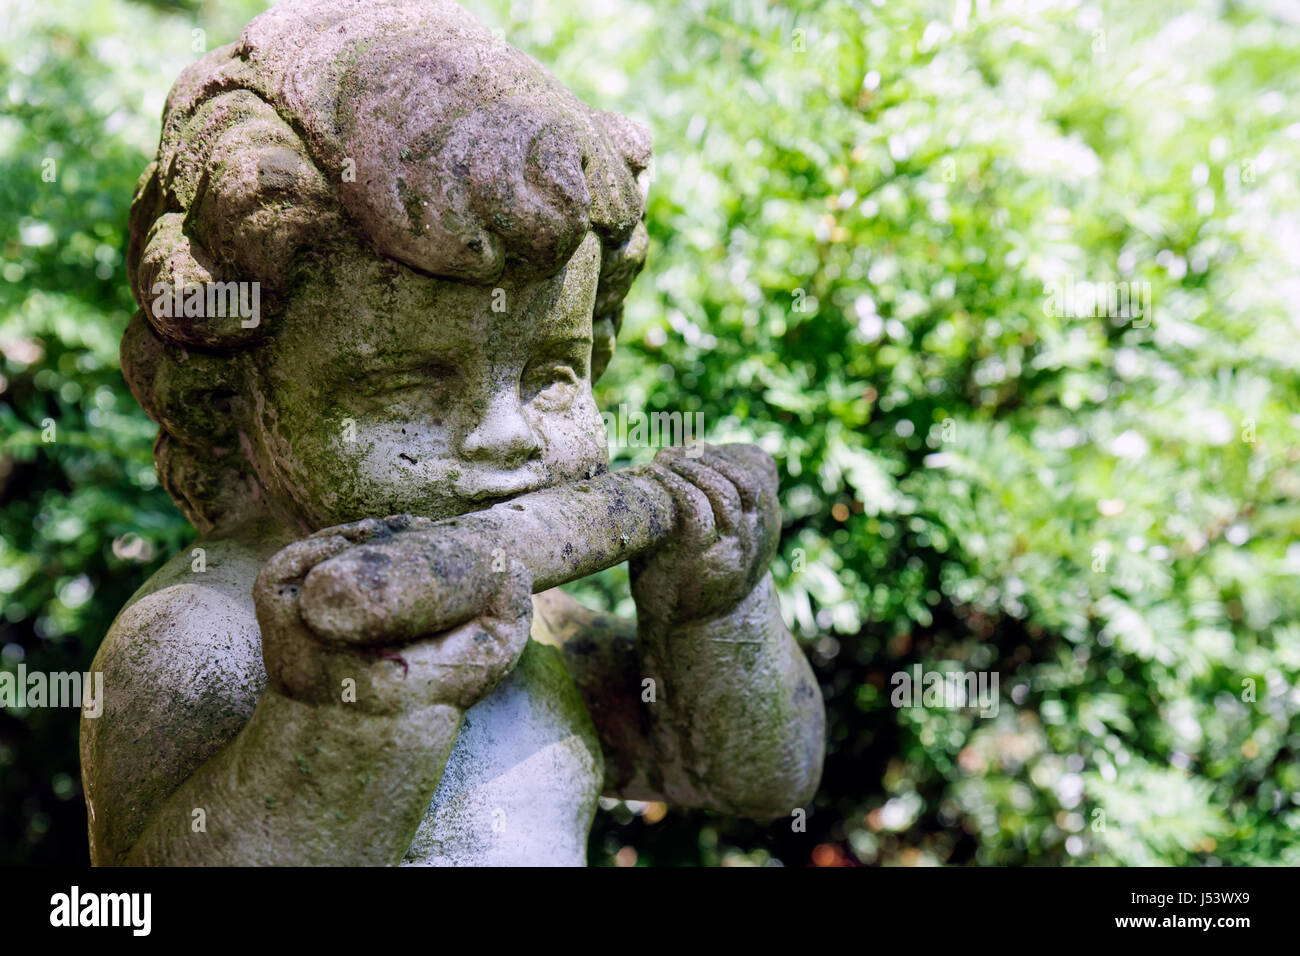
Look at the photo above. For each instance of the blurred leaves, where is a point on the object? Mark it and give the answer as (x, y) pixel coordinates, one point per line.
(857, 214)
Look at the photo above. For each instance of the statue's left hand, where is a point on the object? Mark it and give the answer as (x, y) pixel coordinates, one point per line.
(728, 528)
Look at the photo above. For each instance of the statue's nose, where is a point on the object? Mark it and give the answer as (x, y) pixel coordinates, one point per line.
(502, 435)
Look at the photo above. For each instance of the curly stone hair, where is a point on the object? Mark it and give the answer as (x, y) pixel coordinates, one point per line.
(404, 123)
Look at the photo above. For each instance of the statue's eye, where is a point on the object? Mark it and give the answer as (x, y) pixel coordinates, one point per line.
(394, 383)
(546, 377)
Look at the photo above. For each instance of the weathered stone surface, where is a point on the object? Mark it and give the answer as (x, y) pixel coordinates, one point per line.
(390, 452)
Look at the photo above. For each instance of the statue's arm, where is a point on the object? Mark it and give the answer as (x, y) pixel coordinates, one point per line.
(741, 714)
(327, 754)
(195, 760)
(722, 713)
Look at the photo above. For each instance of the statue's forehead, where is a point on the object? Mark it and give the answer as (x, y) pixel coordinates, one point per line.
(397, 315)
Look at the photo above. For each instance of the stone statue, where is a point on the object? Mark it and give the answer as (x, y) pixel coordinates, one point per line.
(380, 259)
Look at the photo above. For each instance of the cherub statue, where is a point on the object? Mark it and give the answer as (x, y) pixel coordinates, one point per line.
(438, 238)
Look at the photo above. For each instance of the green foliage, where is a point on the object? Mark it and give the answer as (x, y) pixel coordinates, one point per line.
(857, 212)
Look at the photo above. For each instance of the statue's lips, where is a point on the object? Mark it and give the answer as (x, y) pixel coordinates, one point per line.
(485, 491)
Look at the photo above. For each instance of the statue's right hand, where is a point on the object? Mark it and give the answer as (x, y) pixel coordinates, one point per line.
(458, 666)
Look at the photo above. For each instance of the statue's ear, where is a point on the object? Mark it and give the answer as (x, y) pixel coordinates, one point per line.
(619, 265)
(603, 333)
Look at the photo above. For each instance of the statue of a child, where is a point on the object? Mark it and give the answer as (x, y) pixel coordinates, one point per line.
(419, 243)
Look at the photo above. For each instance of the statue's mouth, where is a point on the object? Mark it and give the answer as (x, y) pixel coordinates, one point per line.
(486, 490)
(481, 504)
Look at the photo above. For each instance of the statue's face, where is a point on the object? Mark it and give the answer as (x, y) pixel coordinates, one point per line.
(387, 391)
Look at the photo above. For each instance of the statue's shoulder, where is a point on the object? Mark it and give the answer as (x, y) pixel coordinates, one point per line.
(182, 671)
(195, 613)
(220, 567)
